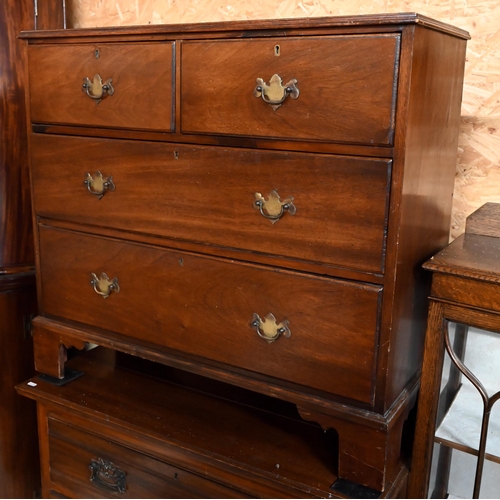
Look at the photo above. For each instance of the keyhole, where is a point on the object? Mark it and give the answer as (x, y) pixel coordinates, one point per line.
(176, 155)
(277, 50)
(96, 53)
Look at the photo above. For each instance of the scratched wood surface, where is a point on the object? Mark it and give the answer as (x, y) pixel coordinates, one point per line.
(478, 158)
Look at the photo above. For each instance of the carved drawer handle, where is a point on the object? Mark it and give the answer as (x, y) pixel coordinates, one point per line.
(107, 476)
(275, 93)
(269, 329)
(103, 286)
(98, 184)
(96, 89)
(273, 208)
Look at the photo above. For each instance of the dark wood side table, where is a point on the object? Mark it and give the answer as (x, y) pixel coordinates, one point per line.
(466, 293)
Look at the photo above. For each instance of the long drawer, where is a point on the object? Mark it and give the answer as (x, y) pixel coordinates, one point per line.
(103, 84)
(332, 88)
(311, 331)
(211, 195)
(85, 465)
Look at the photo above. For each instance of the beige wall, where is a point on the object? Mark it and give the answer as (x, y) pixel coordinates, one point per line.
(478, 159)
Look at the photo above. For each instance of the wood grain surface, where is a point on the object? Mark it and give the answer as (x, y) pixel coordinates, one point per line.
(335, 103)
(206, 195)
(478, 158)
(19, 465)
(204, 307)
(142, 85)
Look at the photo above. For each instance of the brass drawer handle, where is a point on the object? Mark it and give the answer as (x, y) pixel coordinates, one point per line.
(273, 208)
(103, 286)
(107, 476)
(275, 93)
(269, 329)
(98, 184)
(96, 89)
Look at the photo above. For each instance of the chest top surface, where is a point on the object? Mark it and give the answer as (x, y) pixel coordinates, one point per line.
(266, 27)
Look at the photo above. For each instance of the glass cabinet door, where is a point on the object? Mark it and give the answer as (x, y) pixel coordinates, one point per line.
(466, 455)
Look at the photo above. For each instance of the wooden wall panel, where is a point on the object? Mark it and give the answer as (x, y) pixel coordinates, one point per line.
(19, 466)
(478, 161)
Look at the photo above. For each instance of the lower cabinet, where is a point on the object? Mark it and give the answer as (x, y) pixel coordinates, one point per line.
(77, 467)
(19, 467)
(129, 428)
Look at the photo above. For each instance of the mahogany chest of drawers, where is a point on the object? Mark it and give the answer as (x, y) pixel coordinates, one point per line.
(250, 202)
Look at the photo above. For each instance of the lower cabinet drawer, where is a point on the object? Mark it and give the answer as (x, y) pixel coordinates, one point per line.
(312, 331)
(84, 465)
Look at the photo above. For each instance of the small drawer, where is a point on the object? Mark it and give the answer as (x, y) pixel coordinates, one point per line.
(341, 88)
(103, 85)
(312, 331)
(208, 195)
(84, 465)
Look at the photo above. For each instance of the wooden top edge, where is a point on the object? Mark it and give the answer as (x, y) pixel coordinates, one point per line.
(464, 273)
(273, 26)
(16, 277)
(16, 270)
(484, 221)
(472, 256)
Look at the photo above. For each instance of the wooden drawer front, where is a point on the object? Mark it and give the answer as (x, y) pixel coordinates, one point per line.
(207, 194)
(205, 306)
(346, 88)
(141, 78)
(76, 455)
